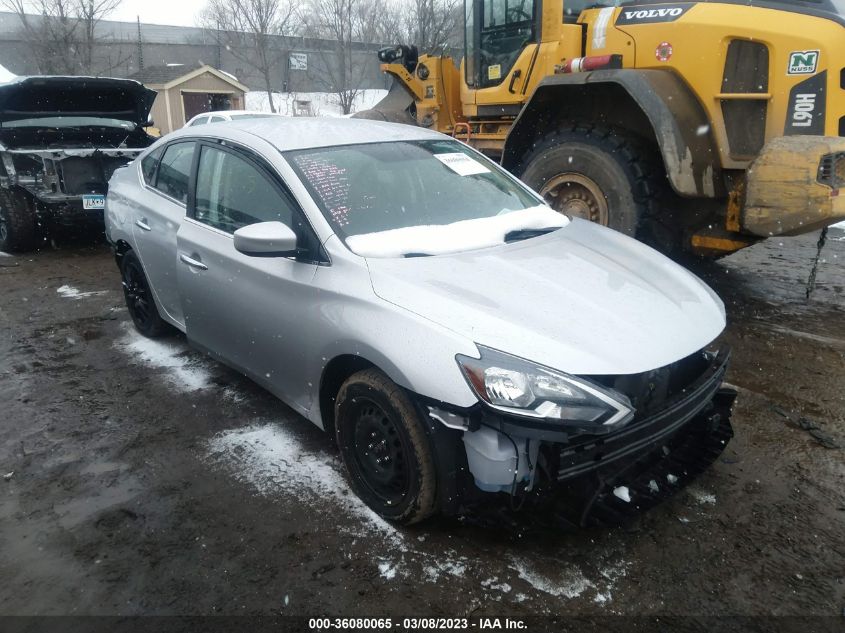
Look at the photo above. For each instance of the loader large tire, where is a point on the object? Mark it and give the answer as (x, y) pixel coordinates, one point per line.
(609, 177)
(18, 224)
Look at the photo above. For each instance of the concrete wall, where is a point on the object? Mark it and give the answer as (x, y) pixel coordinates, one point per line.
(118, 55)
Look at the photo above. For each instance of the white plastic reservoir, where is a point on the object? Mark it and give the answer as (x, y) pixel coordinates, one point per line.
(493, 460)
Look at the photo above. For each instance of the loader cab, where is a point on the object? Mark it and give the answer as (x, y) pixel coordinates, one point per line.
(496, 32)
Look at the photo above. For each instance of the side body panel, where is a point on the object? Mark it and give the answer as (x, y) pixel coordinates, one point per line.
(130, 202)
(253, 313)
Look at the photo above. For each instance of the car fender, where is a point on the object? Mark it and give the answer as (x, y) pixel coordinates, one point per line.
(415, 353)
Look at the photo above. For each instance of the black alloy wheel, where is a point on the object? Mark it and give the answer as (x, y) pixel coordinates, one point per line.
(139, 298)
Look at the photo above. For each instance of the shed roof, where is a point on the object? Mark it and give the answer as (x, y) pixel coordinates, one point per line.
(169, 76)
(161, 74)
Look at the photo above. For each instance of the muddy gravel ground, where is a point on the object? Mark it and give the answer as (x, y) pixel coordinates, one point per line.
(142, 478)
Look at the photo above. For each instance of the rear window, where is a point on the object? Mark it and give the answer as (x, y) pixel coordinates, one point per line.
(174, 171)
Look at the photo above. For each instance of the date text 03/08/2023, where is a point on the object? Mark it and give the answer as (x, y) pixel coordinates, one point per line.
(417, 624)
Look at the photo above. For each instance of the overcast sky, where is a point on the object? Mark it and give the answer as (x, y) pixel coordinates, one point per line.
(180, 12)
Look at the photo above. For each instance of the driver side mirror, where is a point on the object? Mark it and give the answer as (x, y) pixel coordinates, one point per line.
(266, 239)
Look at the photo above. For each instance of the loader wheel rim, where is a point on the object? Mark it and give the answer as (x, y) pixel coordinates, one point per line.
(577, 196)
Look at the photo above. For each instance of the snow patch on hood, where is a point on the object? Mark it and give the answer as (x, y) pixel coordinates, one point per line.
(466, 235)
(183, 368)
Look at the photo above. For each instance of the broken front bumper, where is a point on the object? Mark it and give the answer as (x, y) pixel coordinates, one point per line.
(794, 186)
(655, 455)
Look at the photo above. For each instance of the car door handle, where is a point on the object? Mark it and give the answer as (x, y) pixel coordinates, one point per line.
(141, 223)
(193, 263)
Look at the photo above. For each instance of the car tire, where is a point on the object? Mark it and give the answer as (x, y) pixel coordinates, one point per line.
(139, 298)
(610, 177)
(18, 224)
(385, 448)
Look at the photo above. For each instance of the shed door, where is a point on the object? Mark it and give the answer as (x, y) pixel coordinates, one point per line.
(195, 103)
(199, 102)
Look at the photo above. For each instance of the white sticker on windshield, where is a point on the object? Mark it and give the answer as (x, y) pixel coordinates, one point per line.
(462, 164)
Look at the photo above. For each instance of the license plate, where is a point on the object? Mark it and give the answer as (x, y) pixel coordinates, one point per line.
(94, 202)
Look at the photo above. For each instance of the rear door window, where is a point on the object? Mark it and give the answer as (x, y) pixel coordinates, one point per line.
(217, 119)
(199, 121)
(174, 171)
(149, 164)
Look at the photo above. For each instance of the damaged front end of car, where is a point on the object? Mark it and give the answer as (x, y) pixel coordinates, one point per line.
(67, 184)
(61, 139)
(596, 466)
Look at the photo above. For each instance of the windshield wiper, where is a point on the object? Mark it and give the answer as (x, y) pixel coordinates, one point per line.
(417, 255)
(524, 234)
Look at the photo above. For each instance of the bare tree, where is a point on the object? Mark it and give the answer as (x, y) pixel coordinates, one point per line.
(251, 31)
(62, 34)
(433, 25)
(343, 23)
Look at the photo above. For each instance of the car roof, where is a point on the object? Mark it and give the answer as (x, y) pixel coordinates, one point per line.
(231, 112)
(290, 133)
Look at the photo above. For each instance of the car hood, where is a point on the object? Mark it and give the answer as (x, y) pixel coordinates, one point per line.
(43, 97)
(584, 299)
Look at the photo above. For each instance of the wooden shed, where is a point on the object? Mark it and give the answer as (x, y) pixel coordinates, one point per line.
(183, 93)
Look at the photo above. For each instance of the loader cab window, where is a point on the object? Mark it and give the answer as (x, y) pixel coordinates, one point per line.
(496, 33)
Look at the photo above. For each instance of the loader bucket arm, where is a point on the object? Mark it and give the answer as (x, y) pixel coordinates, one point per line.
(397, 106)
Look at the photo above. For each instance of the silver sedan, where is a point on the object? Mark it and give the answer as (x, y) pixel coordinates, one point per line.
(464, 343)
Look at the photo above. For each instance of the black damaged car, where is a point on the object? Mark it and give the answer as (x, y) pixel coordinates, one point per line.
(61, 138)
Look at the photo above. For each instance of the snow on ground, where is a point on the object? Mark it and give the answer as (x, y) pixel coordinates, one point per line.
(2, 254)
(183, 369)
(623, 493)
(701, 496)
(69, 292)
(839, 225)
(570, 581)
(387, 570)
(272, 460)
(322, 103)
(440, 567)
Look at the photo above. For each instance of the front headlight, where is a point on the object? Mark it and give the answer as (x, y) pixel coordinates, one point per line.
(520, 387)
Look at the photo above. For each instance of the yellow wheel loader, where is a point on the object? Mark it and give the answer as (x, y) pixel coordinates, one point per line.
(698, 127)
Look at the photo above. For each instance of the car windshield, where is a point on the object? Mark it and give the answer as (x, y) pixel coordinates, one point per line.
(429, 197)
(70, 121)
